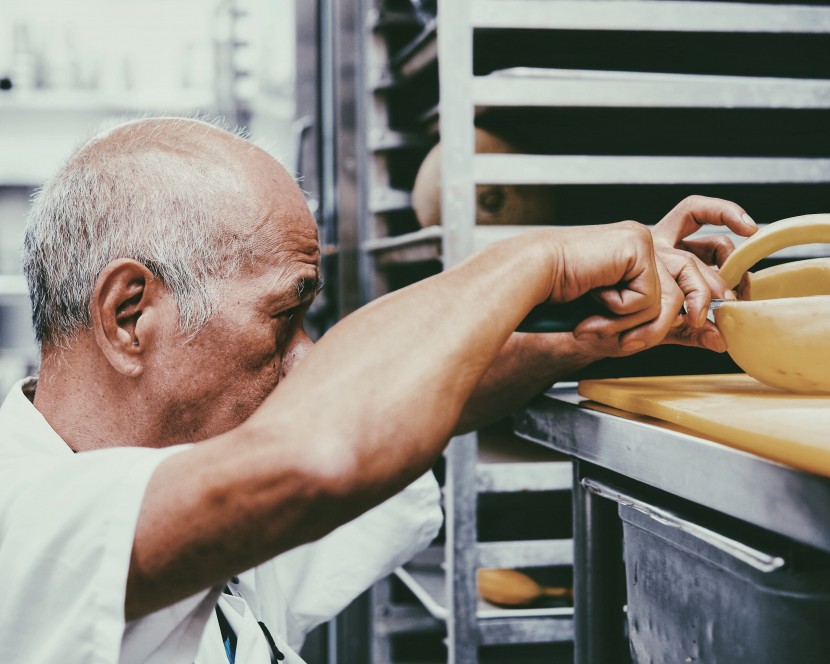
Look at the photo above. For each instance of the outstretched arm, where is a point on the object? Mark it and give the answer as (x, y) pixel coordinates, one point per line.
(372, 406)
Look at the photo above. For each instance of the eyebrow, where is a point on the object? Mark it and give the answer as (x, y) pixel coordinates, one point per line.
(307, 288)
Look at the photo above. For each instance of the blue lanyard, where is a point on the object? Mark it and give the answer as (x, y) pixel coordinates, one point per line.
(229, 637)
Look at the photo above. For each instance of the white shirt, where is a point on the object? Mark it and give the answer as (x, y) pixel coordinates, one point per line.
(67, 523)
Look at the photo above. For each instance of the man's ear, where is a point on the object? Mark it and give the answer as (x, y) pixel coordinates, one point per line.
(126, 310)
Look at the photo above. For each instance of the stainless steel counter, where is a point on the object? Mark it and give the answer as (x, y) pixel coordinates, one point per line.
(627, 459)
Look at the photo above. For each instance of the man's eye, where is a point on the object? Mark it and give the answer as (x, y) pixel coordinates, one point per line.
(288, 314)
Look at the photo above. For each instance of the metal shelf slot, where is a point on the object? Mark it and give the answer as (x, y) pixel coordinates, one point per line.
(607, 89)
(526, 630)
(534, 553)
(545, 169)
(518, 477)
(650, 15)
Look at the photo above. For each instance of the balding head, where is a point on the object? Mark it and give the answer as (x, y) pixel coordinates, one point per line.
(178, 195)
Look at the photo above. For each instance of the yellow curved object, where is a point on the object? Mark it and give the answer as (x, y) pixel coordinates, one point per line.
(781, 335)
(783, 342)
(796, 279)
(807, 229)
(509, 587)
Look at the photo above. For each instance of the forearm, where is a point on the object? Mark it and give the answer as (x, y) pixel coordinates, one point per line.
(394, 377)
(526, 365)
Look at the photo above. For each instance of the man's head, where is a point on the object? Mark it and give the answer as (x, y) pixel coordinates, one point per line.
(188, 256)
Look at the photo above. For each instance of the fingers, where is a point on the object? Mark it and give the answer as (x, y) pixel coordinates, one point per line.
(695, 211)
(641, 329)
(712, 250)
(699, 283)
(653, 332)
(615, 261)
(707, 336)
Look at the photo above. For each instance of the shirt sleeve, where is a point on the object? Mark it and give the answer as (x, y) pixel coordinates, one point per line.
(319, 579)
(67, 526)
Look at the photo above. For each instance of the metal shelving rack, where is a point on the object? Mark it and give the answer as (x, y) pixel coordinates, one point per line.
(660, 99)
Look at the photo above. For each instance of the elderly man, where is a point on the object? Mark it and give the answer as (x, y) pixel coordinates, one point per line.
(160, 500)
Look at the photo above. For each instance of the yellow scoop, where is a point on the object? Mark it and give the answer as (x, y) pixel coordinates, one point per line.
(511, 588)
(781, 335)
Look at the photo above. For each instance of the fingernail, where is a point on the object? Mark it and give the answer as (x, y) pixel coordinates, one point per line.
(729, 295)
(586, 336)
(633, 344)
(701, 319)
(748, 220)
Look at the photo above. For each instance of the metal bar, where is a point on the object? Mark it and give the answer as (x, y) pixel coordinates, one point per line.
(461, 503)
(599, 578)
(430, 234)
(425, 245)
(380, 603)
(518, 477)
(417, 54)
(763, 562)
(648, 15)
(747, 487)
(545, 169)
(401, 619)
(533, 553)
(527, 630)
(383, 139)
(562, 88)
(389, 200)
(429, 585)
(455, 71)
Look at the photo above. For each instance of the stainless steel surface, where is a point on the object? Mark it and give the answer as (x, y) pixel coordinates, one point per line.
(461, 505)
(759, 560)
(341, 138)
(742, 485)
(668, 15)
(526, 630)
(455, 69)
(580, 88)
(599, 590)
(555, 169)
(514, 477)
(535, 553)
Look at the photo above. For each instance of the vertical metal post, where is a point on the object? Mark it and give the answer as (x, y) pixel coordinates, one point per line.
(455, 72)
(460, 502)
(380, 599)
(349, 36)
(599, 578)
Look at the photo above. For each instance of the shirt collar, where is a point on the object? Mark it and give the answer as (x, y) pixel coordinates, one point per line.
(24, 426)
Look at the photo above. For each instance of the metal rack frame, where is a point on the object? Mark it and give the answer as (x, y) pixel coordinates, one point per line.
(450, 41)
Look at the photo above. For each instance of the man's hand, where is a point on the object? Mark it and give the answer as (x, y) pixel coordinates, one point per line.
(616, 264)
(689, 263)
(688, 278)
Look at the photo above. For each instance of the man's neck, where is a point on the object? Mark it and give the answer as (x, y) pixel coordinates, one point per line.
(85, 401)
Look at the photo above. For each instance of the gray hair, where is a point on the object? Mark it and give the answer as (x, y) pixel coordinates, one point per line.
(164, 192)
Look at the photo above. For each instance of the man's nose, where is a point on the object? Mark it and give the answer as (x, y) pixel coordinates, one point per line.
(298, 348)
